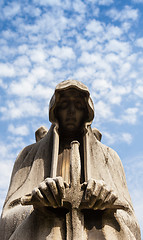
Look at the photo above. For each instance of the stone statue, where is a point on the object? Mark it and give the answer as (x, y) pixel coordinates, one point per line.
(68, 185)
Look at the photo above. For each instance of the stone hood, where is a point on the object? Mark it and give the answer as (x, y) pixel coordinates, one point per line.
(65, 85)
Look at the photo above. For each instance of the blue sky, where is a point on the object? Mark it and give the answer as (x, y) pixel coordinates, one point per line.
(98, 42)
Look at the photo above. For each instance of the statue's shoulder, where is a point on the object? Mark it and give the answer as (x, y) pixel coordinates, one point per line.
(26, 150)
(109, 150)
(31, 150)
(23, 155)
(97, 133)
(106, 149)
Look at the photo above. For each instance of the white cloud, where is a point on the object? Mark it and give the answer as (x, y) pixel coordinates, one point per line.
(79, 6)
(21, 108)
(130, 115)
(22, 61)
(101, 85)
(102, 2)
(11, 9)
(103, 110)
(102, 88)
(101, 32)
(37, 55)
(118, 47)
(48, 27)
(126, 26)
(124, 69)
(113, 32)
(63, 52)
(49, 2)
(94, 27)
(39, 72)
(139, 42)
(85, 44)
(32, 99)
(19, 130)
(117, 92)
(105, 2)
(107, 95)
(128, 13)
(113, 58)
(138, 90)
(2, 84)
(6, 70)
(22, 88)
(54, 63)
(23, 48)
(84, 73)
(41, 92)
(7, 52)
(9, 34)
(88, 58)
(126, 137)
(32, 10)
(97, 62)
(112, 138)
(3, 150)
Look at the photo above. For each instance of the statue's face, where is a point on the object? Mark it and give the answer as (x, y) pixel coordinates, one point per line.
(71, 110)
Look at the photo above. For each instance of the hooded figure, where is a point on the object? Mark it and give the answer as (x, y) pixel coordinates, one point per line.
(41, 173)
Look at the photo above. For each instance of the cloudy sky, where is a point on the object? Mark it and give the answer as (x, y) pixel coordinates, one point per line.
(98, 42)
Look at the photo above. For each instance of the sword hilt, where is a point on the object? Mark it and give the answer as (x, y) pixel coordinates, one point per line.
(75, 164)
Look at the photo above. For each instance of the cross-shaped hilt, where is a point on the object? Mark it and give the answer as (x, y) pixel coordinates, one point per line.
(73, 195)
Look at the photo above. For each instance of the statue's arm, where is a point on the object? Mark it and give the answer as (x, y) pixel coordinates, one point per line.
(13, 212)
(126, 217)
(111, 194)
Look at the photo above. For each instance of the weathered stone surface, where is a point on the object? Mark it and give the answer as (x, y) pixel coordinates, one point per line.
(68, 185)
(40, 133)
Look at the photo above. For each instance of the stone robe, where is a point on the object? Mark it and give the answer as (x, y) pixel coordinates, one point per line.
(33, 165)
(40, 160)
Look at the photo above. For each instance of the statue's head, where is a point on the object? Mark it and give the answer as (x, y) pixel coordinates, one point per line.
(71, 106)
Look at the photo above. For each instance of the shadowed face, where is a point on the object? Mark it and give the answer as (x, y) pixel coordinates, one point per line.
(71, 110)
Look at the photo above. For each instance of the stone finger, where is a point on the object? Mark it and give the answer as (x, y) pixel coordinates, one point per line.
(43, 189)
(66, 185)
(52, 192)
(104, 193)
(37, 196)
(60, 186)
(109, 201)
(113, 198)
(98, 188)
(99, 196)
(89, 189)
(97, 205)
(92, 201)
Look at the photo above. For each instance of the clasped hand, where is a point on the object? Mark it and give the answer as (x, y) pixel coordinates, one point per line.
(51, 192)
(98, 195)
